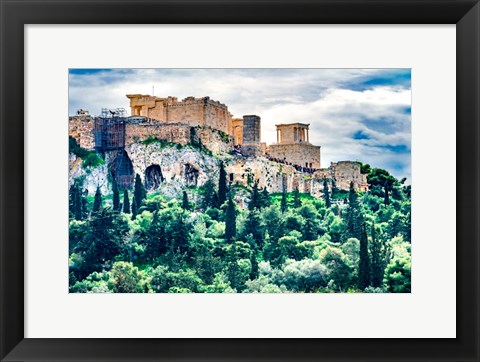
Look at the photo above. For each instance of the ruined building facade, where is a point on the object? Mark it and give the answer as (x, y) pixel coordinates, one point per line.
(193, 111)
(293, 145)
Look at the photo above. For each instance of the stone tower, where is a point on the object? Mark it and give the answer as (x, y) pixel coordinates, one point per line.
(251, 136)
(293, 145)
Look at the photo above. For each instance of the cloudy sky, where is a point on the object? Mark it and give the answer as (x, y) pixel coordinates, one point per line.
(354, 114)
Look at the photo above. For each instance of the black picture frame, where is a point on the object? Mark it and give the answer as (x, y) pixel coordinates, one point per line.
(15, 14)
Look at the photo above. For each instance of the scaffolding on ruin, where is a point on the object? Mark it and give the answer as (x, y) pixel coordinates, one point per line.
(109, 133)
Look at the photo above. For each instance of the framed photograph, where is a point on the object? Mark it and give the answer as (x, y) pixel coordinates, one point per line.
(239, 180)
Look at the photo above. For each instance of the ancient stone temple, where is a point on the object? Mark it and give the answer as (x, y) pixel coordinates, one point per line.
(293, 145)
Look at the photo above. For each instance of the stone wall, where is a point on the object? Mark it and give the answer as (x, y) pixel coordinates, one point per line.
(297, 153)
(237, 131)
(177, 133)
(81, 128)
(343, 173)
(192, 111)
(141, 129)
(347, 171)
(276, 177)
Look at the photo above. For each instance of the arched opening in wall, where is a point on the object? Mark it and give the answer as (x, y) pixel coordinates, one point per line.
(191, 175)
(121, 168)
(153, 177)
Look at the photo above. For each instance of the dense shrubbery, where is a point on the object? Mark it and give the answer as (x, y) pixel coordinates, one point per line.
(278, 243)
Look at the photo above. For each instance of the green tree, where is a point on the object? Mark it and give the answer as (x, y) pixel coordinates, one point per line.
(84, 204)
(97, 202)
(139, 191)
(283, 203)
(364, 261)
(334, 189)
(379, 258)
(264, 198)
(326, 194)
(230, 221)
(185, 203)
(254, 263)
(155, 237)
(380, 182)
(127, 278)
(254, 202)
(209, 195)
(354, 217)
(337, 267)
(126, 202)
(116, 196)
(104, 239)
(398, 275)
(386, 188)
(134, 207)
(78, 204)
(222, 185)
(254, 228)
(180, 234)
(296, 199)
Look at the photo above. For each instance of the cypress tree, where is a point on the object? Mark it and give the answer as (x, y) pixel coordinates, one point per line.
(116, 196)
(254, 262)
(234, 273)
(254, 197)
(126, 202)
(134, 207)
(378, 259)
(138, 192)
(364, 262)
(209, 195)
(155, 238)
(180, 234)
(185, 204)
(222, 186)
(78, 204)
(283, 203)
(296, 199)
(97, 202)
(386, 199)
(334, 188)
(264, 198)
(326, 195)
(230, 221)
(254, 227)
(72, 194)
(84, 206)
(354, 217)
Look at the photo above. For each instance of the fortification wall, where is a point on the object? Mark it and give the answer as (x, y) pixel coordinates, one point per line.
(347, 171)
(274, 176)
(217, 116)
(297, 153)
(192, 114)
(81, 128)
(343, 173)
(237, 130)
(178, 133)
(192, 111)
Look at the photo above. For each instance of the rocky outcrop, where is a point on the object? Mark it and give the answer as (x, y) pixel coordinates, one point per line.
(176, 166)
(89, 177)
